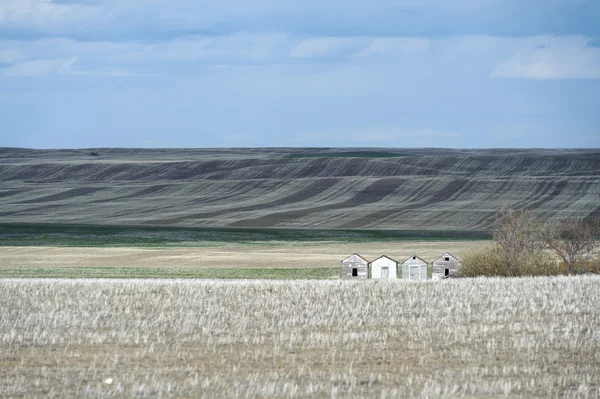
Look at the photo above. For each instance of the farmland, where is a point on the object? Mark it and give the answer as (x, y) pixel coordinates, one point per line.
(131, 242)
(431, 190)
(294, 259)
(527, 337)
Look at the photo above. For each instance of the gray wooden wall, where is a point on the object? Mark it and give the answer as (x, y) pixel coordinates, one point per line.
(409, 265)
(440, 266)
(355, 262)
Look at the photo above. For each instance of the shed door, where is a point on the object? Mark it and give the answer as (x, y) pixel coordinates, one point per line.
(385, 272)
(413, 273)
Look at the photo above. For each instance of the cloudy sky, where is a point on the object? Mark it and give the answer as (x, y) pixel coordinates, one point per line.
(381, 73)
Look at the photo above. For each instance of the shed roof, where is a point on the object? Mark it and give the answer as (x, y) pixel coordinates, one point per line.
(414, 257)
(387, 257)
(355, 255)
(445, 255)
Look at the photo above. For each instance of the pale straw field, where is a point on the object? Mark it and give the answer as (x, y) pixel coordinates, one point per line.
(527, 337)
(258, 255)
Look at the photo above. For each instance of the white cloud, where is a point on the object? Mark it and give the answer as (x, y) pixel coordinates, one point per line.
(322, 46)
(42, 14)
(155, 19)
(10, 55)
(358, 46)
(239, 47)
(460, 57)
(394, 45)
(553, 58)
(40, 67)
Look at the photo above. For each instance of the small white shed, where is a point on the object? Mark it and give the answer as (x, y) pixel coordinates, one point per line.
(384, 268)
(415, 269)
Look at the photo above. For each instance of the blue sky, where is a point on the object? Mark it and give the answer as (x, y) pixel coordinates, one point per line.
(384, 73)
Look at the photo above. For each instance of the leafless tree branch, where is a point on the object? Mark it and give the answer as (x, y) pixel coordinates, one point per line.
(519, 233)
(574, 240)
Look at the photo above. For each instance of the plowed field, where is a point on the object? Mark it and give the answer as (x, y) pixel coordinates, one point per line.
(404, 189)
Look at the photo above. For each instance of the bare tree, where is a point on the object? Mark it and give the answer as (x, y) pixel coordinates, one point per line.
(519, 233)
(574, 240)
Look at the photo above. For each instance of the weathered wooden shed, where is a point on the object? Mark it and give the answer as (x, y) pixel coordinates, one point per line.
(445, 266)
(414, 268)
(384, 268)
(355, 266)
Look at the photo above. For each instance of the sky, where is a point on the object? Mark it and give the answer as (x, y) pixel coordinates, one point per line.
(310, 73)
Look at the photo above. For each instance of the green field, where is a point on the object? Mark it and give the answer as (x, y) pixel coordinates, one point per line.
(133, 236)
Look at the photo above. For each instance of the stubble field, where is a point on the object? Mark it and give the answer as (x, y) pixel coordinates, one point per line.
(527, 337)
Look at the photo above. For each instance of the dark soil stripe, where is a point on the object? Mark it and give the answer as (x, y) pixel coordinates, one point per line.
(141, 193)
(558, 189)
(540, 190)
(451, 189)
(68, 194)
(9, 193)
(316, 188)
(238, 189)
(419, 192)
(369, 219)
(30, 210)
(375, 192)
(595, 214)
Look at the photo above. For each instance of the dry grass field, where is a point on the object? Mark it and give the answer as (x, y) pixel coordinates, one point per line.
(527, 337)
(296, 255)
(268, 260)
(403, 189)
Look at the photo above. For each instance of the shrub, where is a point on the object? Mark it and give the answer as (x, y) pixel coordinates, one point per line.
(484, 262)
(538, 264)
(582, 267)
(595, 265)
(492, 261)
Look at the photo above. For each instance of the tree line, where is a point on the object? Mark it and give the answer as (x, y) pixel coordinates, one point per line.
(526, 245)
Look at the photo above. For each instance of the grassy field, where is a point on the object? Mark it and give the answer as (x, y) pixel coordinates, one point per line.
(23, 234)
(528, 337)
(166, 272)
(75, 251)
(214, 260)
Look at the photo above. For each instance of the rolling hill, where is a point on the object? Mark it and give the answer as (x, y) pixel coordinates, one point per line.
(315, 188)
